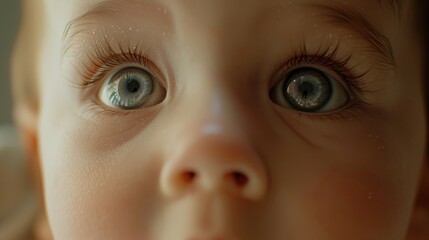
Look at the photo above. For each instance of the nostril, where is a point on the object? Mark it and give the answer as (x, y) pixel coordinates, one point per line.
(188, 176)
(240, 179)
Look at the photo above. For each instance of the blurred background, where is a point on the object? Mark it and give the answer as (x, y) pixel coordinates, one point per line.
(17, 203)
(9, 20)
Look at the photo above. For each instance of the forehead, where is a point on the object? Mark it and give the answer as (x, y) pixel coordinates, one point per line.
(375, 14)
(74, 8)
(365, 18)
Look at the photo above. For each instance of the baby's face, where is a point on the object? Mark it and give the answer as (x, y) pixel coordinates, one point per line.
(240, 119)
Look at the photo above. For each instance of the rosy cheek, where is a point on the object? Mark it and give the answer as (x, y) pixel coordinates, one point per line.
(346, 204)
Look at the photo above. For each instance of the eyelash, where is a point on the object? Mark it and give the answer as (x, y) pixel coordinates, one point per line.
(105, 58)
(102, 61)
(327, 57)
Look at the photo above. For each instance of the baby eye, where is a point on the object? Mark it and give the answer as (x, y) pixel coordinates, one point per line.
(131, 88)
(308, 89)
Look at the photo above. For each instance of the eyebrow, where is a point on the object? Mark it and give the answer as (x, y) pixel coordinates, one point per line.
(351, 19)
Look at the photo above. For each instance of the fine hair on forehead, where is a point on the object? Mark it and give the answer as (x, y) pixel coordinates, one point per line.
(395, 5)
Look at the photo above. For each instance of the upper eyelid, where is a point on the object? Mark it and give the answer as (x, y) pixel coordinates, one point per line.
(105, 54)
(352, 20)
(326, 56)
(104, 59)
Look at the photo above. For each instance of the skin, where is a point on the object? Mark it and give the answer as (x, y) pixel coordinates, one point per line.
(343, 174)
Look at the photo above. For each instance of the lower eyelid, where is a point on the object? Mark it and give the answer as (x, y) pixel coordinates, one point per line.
(352, 113)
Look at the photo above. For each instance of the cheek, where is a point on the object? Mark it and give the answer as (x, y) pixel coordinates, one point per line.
(89, 185)
(342, 203)
(342, 182)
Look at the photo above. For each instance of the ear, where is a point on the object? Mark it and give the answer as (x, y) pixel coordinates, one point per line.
(27, 121)
(419, 226)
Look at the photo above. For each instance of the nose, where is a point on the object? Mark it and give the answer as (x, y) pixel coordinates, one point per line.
(214, 164)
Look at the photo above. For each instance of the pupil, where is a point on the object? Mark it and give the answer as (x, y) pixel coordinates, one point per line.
(306, 89)
(133, 86)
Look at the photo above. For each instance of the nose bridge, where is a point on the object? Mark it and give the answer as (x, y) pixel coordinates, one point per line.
(210, 108)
